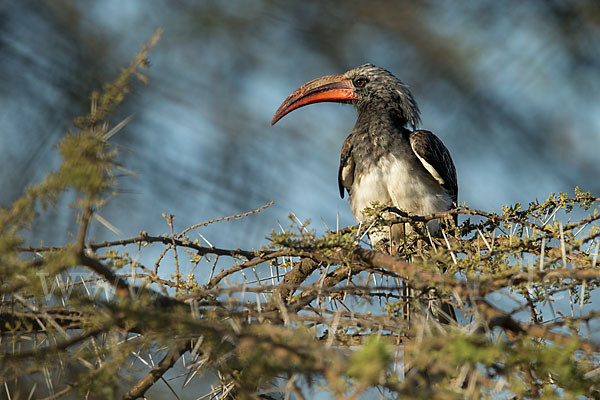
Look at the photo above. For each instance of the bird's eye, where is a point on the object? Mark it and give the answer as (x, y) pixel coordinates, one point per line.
(360, 81)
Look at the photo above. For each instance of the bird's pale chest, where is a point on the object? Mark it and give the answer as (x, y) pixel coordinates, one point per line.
(398, 181)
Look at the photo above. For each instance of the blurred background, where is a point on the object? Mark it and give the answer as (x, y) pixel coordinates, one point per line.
(512, 88)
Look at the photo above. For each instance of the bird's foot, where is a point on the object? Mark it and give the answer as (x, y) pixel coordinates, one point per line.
(395, 210)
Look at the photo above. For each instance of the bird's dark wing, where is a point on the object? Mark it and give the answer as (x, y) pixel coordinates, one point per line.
(436, 159)
(346, 170)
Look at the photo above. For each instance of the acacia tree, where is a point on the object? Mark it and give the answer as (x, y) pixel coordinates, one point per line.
(307, 311)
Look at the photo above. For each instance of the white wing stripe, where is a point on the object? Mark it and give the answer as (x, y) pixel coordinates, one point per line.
(430, 168)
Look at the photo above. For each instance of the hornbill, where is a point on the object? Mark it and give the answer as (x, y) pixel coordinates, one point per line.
(385, 159)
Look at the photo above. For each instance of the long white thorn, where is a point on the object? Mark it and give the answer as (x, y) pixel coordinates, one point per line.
(449, 248)
(367, 231)
(107, 224)
(542, 251)
(430, 239)
(484, 240)
(206, 240)
(563, 250)
(118, 127)
(595, 259)
(582, 296)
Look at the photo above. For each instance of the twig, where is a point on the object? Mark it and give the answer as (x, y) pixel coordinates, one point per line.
(170, 219)
(59, 394)
(212, 221)
(156, 373)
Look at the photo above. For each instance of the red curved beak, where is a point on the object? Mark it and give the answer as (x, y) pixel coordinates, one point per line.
(334, 88)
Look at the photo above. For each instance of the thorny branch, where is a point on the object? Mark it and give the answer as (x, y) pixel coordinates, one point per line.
(156, 373)
(330, 300)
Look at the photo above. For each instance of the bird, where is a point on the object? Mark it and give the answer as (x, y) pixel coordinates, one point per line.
(385, 159)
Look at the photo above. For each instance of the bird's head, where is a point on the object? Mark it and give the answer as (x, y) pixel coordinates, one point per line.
(369, 88)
